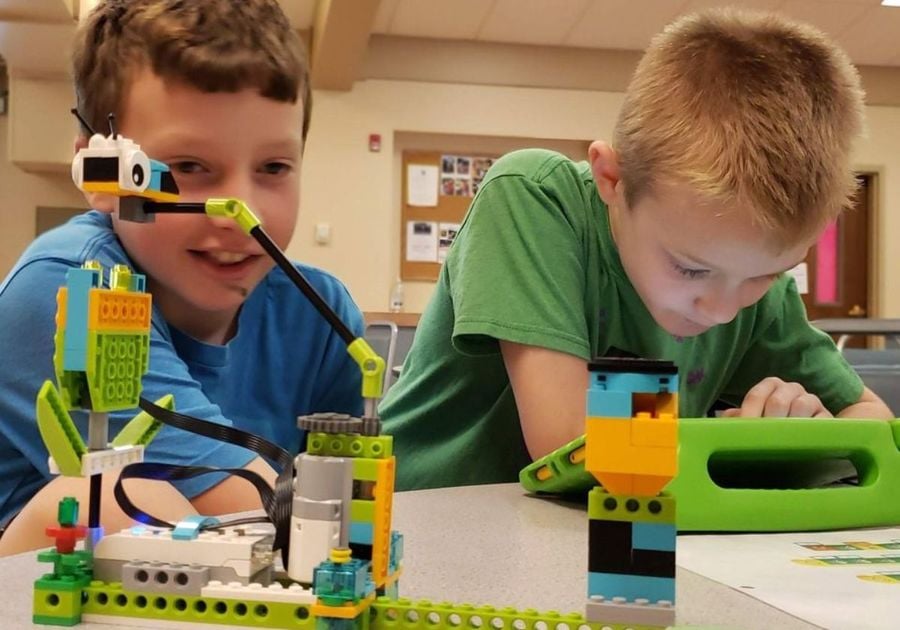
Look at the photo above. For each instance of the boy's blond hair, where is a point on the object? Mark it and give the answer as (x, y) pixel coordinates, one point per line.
(745, 108)
(212, 45)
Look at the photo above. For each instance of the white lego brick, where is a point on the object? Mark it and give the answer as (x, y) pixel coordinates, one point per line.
(311, 544)
(255, 592)
(96, 462)
(246, 553)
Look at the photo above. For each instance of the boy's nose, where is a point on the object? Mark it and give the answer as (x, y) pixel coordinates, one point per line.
(717, 308)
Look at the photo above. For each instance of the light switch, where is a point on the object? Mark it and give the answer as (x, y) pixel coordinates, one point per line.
(323, 233)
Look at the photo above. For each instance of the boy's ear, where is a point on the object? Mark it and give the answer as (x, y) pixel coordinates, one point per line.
(97, 201)
(605, 167)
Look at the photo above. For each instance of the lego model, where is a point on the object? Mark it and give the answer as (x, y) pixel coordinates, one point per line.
(631, 449)
(341, 561)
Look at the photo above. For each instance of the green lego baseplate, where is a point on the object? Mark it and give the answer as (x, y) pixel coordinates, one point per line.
(726, 471)
(111, 600)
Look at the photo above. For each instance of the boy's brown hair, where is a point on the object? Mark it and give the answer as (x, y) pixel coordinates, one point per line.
(748, 108)
(212, 45)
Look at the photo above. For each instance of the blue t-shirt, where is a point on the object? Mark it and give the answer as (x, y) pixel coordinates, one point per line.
(284, 361)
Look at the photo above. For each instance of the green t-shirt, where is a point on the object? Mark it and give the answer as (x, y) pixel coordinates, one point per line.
(534, 263)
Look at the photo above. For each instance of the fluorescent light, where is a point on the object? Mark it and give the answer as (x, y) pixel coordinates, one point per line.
(890, 3)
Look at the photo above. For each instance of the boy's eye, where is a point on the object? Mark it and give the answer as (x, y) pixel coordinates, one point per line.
(276, 168)
(690, 273)
(187, 167)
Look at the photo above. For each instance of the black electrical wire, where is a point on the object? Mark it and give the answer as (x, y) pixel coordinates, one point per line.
(277, 504)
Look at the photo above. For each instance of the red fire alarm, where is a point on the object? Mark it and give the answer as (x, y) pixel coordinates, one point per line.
(375, 142)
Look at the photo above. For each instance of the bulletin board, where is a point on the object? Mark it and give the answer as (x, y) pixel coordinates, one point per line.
(436, 191)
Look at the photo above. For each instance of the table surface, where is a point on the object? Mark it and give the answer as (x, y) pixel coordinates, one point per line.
(487, 545)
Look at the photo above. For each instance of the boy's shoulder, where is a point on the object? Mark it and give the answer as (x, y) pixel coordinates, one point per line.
(87, 236)
(537, 165)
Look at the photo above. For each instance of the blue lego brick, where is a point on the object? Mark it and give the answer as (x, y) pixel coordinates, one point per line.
(361, 533)
(631, 587)
(603, 403)
(656, 536)
(79, 283)
(74, 359)
(634, 383)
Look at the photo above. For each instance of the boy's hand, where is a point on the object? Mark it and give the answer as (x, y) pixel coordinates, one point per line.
(774, 398)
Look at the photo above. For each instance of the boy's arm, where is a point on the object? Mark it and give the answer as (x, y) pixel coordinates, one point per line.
(549, 389)
(26, 531)
(234, 494)
(869, 405)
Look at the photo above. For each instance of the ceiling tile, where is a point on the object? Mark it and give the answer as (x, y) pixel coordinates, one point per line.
(545, 22)
(875, 38)
(386, 9)
(622, 24)
(832, 16)
(459, 19)
(757, 5)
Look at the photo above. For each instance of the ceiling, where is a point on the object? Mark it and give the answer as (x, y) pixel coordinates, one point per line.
(341, 31)
(869, 32)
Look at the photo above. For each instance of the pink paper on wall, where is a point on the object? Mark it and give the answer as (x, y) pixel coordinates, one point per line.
(827, 265)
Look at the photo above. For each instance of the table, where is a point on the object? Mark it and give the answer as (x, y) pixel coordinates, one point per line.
(486, 545)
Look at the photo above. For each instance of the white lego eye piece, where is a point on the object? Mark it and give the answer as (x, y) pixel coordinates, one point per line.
(78, 169)
(134, 169)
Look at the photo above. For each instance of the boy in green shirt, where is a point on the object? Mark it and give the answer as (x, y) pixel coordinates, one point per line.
(730, 156)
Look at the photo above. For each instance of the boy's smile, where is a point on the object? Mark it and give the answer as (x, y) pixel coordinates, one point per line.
(221, 144)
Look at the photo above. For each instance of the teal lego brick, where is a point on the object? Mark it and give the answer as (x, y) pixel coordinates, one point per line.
(634, 383)
(79, 282)
(608, 507)
(655, 536)
(361, 533)
(631, 587)
(603, 403)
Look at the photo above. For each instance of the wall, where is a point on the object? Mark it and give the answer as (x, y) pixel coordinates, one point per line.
(20, 194)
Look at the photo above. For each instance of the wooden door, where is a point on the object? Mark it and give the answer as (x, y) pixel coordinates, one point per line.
(838, 265)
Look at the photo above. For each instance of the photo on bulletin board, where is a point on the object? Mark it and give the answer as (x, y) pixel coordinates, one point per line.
(448, 164)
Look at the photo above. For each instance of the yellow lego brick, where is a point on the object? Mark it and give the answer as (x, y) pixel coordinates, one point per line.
(661, 431)
(649, 485)
(381, 527)
(62, 300)
(119, 310)
(347, 611)
(605, 438)
(616, 483)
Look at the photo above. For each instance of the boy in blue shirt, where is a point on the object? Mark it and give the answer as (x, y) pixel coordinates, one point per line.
(219, 91)
(730, 156)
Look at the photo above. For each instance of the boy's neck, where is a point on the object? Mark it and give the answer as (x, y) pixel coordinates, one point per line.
(212, 327)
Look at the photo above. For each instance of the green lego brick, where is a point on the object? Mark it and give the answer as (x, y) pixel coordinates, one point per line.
(801, 447)
(111, 599)
(365, 469)
(362, 511)
(344, 445)
(119, 360)
(609, 507)
(67, 511)
(58, 601)
(59, 433)
(141, 429)
(390, 614)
